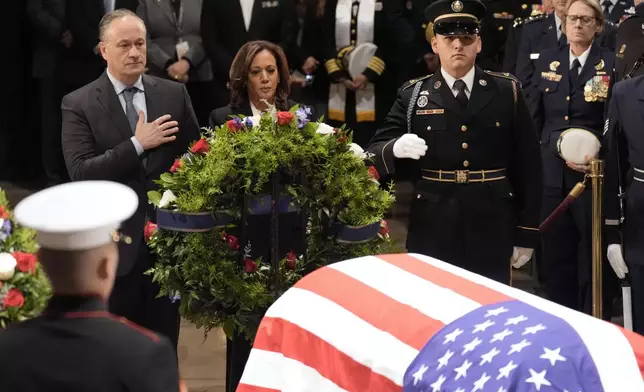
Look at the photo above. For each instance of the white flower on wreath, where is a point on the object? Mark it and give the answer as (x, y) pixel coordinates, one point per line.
(7, 266)
(324, 129)
(167, 198)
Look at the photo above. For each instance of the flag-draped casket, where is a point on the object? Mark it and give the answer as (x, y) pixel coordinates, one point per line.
(377, 323)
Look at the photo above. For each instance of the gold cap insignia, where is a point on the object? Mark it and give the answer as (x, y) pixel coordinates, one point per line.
(554, 65)
(622, 49)
(457, 6)
(600, 65)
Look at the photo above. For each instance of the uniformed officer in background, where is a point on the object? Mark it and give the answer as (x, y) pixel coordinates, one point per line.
(76, 344)
(478, 171)
(624, 174)
(614, 10)
(527, 8)
(545, 32)
(630, 43)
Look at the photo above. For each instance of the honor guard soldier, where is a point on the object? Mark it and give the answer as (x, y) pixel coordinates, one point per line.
(76, 344)
(624, 189)
(629, 54)
(478, 180)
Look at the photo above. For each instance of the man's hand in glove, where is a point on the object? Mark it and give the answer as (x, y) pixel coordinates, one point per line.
(411, 146)
(616, 260)
(520, 256)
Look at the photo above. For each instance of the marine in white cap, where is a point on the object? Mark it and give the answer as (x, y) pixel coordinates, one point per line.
(76, 344)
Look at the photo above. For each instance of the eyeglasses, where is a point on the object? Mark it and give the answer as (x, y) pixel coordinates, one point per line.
(584, 19)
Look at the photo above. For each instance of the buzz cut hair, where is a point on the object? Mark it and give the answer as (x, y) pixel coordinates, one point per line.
(110, 17)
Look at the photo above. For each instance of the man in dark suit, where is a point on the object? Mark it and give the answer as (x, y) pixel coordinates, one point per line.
(129, 127)
(76, 344)
(614, 9)
(478, 170)
(228, 24)
(50, 36)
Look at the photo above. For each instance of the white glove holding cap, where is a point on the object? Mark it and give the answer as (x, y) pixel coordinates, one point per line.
(411, 146)
(520, 256)
(616, 260)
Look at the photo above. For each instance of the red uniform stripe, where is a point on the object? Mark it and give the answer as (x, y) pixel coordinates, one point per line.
(281, 336)
(372, 306)
(474, 291)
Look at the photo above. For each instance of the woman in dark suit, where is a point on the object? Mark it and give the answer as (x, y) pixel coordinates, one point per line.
(259, 77)
(175, 50)
(570, 89)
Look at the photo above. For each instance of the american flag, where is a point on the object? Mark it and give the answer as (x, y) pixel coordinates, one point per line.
(411, 322)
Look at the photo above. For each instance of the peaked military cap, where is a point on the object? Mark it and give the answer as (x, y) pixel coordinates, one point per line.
(456, 17)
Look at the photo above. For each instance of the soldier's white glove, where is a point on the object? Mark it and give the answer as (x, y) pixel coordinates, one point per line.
(520, 256)
(411, 146)
(616, 260)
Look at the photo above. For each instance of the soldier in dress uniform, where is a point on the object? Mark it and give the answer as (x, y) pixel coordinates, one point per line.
(630, 43)
(76, 344)
(545, 32)
(477, 174)
(570, 89)
(624, 173)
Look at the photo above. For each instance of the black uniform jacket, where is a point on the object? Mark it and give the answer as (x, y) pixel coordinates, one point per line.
(555, 104)
(77, 346)
(630, 44)
(494, 132)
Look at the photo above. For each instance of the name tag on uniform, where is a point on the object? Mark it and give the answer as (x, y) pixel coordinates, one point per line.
(534, 56)
(429, 111)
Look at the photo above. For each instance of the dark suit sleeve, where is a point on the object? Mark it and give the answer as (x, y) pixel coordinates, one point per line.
(525, 175)
(79, 152)
(382, 143)
(219, 57)
(189, 126)
(613, 141)
(43, 22)
(159, 372)
(83, 29)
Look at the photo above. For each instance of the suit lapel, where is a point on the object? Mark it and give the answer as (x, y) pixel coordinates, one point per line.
(588, 69)
(255, 16)
(107, 98)
(166, 9)
(484, 90)
(154, 107)
(441, 94)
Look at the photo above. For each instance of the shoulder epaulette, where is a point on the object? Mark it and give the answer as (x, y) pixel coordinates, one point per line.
(414, 81)
(535, 18)
(503, 75)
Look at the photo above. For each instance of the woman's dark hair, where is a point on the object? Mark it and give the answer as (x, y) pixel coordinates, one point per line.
(241, 67)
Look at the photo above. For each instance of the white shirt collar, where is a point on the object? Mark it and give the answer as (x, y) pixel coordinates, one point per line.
(557, 22)
(468, 79)
(120, 86)
(614, 2)
(582, 58)
(256, 112)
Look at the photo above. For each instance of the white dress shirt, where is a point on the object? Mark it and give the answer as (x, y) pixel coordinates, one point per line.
(468, 79)
(138, 101)
(582, 58)
(558, 26)
(247, 11)
(256, 112)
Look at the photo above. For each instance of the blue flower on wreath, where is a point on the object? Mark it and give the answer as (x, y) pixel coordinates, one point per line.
(302, 115)
(175, 297)
(248, 123)
(5, 230)
(239, 122)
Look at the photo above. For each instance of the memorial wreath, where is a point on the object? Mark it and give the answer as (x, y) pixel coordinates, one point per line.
(24, 288)
(274, 164)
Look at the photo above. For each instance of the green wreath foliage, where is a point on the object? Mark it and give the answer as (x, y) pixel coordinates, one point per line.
(208, 271)
(24, 287)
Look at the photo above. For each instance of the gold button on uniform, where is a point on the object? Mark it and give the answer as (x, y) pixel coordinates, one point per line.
(568, 98)
(463, 128)
(566, 118)
(353, 31)
(466, 163)
(500, 28)
(465, 146)
(524, 6)
(498, 124)
(424, 26)
(547, 89)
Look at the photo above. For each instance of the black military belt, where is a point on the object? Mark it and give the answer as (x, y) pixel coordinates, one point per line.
(464, 176)
(638, 174)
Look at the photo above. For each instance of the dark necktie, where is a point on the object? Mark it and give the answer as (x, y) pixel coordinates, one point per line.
(130, 110)
(607, 4)
(574, 71)
(461, 97)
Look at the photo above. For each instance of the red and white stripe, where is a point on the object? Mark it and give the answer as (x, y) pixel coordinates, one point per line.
(356, 326)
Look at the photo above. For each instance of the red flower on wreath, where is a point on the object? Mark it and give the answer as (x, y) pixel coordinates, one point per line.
(233, 242)
(250, 266)
(26, 262)
(374, 173)
(384, 228)
(341, 135)
(4, 214)
(284, 118)
(176, 165)
(13, 299)
(201, 147)
(234, 125)
(149, 230)
(291, 259)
